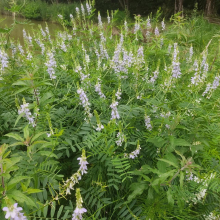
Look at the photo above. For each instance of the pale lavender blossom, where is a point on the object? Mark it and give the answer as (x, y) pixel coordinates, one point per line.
(215, 83)
(83, 164)
(83, 10)
(156, 32)
(118, 93)
(134, 153)
(161, 42)
(3, 60)
(109, 19)
(163, 25)
(99, 20)
(63, 47)
(190, 54)
(208, 88)
(121, 139)
(89, 8)
(27, 114)
(71, 16)
(41, 46)
(42, 32)
(60, 16)
(126, 26)
(98, 89)
(78, 212)
(147, 123)
(167, 126)
(114, 113)
(99, 127)
(29, 56)
(155, 76)
(196, 78)
(51, 64)
(148, 27)
(169, 48)
(84, 101)
(136, 27)
(176, 72)
(20, 49)
(14, 213)
(148, 23)
(78, 12)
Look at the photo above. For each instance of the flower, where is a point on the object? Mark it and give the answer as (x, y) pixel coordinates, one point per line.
(176, 72)
(157, 33)
(163, 25)
(134, 153)
(77, 214)
(83, 163)
(100, 127)
(79, 210)
(147, 123)
(60, 16)
(98, 89)
(51, 64)
(3, 60)
(14, 213)
(114, 113)
(24, 109)
(121, 138)
(84, 101)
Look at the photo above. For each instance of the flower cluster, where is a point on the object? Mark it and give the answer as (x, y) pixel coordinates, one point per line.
(99, 124)
(27, 114)
(70, 183)
(3, 60)
(211, 87)
(14, 213)
(147, 123)
(156, 32)
(121, 139)
(176, 72)
(84, 101)
(51, 64)
(148, 27)
(118, 93)
(98, 89)
(134, 153)
(79, 210)
(114, 113)
(163, 25)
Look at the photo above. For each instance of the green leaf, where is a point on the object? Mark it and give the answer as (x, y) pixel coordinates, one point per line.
(45, 211)
(137, 189)
(26, 132)
(30, 190)
(37, 136)
(20, 83)
(20, 197)
(47, 153)
(170, 197)
(17, 179)
(59, 211)
(169, 162)
(53, 208)
(66, 214)
(15, 136)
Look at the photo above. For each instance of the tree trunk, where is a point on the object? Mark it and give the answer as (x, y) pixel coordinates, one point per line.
(210, 7)
(178, 6)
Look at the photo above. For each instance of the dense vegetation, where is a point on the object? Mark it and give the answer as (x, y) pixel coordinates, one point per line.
(111, 120)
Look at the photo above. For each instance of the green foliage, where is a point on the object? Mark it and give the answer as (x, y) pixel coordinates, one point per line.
(152, 142)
